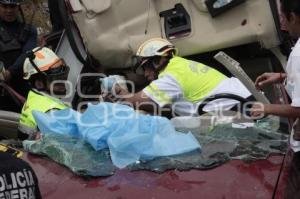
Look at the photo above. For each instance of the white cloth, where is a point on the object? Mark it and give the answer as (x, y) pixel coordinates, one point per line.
(171, 87)
(292, 85)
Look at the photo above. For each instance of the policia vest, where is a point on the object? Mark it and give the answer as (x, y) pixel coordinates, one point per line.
(195, 79)
(17, 178)
(36, 102)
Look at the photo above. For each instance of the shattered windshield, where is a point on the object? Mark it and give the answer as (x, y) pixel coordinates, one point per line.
(221, 139)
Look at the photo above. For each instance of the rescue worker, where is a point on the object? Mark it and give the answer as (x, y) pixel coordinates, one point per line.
(291, 19)
(180, 83)
(16, 38)
(41, 68)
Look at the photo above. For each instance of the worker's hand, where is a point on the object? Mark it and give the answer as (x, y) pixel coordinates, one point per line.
(258, 110)
(109, 97)
(38, 135)
(116, 95)
(268, 78)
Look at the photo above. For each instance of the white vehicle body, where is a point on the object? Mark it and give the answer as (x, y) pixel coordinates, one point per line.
(112, 30)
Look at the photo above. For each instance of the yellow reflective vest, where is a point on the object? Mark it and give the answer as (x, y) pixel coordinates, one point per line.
(36, 102)
(195, 79)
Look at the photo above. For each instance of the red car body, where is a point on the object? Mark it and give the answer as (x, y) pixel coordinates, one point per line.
(236, 179)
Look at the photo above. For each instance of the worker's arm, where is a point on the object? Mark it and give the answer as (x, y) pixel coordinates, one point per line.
(139, 101)
(31, 43)
(284, 110)
(158, 96)
(269, 78)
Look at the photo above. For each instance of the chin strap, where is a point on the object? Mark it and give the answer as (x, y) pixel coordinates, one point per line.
(166, 61)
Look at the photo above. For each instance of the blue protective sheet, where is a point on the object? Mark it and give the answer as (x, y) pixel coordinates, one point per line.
(128, 135)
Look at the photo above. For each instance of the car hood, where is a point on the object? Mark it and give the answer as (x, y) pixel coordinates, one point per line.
(235, 179)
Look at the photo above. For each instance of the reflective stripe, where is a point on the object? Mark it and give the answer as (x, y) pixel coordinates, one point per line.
(25, 129)
(161, 97)
(196, 80)
(37, 102)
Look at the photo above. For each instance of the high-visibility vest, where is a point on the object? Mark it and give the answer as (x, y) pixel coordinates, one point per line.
(36, 102)
(195, 79)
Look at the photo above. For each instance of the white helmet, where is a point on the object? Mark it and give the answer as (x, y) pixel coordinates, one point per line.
(155, 47)
(44, 58)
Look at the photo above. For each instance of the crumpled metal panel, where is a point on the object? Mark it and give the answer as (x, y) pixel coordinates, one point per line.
(115, 34)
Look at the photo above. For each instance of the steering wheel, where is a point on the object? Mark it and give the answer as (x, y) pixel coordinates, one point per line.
(220, 96)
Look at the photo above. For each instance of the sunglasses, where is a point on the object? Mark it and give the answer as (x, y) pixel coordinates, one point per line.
(152, 62)
(142, 63)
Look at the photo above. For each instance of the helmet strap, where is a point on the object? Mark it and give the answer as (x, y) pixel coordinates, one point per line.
(31, 57)
(171, 54)
(39, 88)
(36, 79)
(165, 62)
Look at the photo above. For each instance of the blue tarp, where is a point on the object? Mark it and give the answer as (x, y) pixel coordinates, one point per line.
(130, 136)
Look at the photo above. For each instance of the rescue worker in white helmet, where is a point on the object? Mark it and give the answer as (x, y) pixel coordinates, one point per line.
(41, 68)
(179, 83)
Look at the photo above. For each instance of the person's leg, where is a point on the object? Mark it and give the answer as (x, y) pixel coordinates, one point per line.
(292, 190)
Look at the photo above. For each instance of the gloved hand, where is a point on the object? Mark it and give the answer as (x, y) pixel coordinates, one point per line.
(112, 88)
(109, 84)
(115, 96)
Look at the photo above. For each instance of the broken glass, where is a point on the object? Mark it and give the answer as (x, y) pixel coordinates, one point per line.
(220, 141)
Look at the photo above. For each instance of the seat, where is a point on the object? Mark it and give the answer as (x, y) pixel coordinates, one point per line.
(9, 124)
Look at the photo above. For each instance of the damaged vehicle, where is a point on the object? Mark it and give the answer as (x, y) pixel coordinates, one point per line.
(239, 158)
